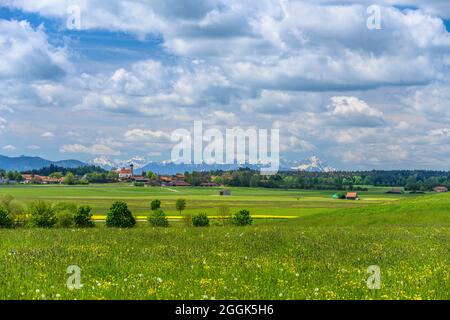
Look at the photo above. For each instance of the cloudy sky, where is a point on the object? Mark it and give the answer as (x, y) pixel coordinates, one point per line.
(116, 85)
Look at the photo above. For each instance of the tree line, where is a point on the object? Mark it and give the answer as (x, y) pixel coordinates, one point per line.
(412, 180)
(43, 214)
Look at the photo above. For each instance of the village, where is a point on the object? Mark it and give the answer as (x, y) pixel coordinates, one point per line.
(93, 175)
(123, 175)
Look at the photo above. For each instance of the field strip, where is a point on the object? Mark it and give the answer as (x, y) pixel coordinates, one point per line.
(100, 218)
(173, 190)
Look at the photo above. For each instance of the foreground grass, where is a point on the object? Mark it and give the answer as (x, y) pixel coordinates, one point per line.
(282, 260)
(323, 254)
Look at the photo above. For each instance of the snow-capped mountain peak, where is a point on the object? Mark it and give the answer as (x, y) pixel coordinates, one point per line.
(106, 163)
(313, 164)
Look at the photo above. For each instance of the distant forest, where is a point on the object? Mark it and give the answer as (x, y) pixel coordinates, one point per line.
(78, 171)
(339, 180)
(411, 180)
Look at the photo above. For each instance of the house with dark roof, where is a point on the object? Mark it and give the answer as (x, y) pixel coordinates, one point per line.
(225, 192)
(440, 189)
(395, 191)
(178, 183)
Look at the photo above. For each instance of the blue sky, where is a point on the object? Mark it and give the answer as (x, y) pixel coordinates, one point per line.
(118, 86)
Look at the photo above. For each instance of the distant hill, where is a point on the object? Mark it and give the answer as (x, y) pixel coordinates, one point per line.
(24, 163)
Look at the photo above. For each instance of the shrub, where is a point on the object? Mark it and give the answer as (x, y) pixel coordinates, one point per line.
(65, 206)
(223, 215)
(5, 219)
(187, 218)
(200, 220)
(242, 218)
(65, 212)
(15, 210)
(155, 205)
(139, 184)
(180, 205)
(120, 216)
(42, 214)
(64, 219)
(83, 217)
(158, 219)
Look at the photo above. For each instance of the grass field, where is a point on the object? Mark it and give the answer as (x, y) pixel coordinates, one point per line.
(322, 254)
(261, 201)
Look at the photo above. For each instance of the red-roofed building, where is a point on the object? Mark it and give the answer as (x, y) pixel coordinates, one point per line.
(126, 173)
(32, 178)
(352, 196)
(165, 179)
(49, 180)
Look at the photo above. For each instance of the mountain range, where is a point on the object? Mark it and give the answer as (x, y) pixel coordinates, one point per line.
(24, 163)
(312, 164)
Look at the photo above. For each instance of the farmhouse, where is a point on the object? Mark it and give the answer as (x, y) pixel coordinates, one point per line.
(440, 189)
(395, 191)
(177, 183)
(352, 196)
(225, 192)
(37, 179)
(179, 176)
(126, 173)
(165, 179)
(31, 178)
(49, 180)
(141, 179)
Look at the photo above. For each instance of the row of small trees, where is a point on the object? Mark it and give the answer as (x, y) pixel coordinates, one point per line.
(158, 217)
(43, 214)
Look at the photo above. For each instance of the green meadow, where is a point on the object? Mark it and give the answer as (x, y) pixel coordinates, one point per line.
(259, 201)
(322, 253)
